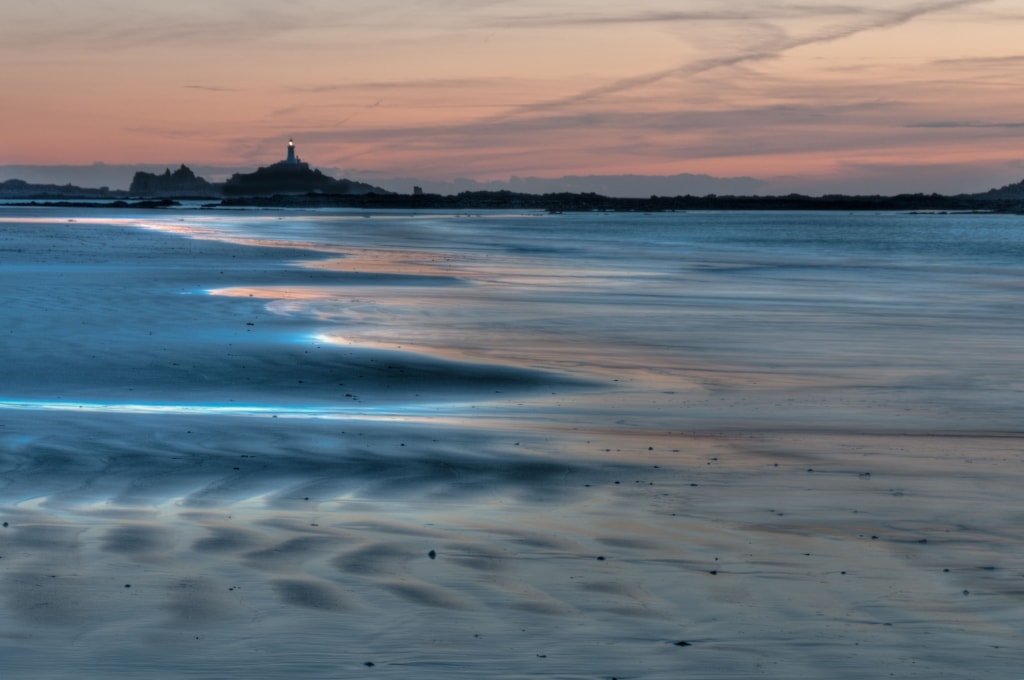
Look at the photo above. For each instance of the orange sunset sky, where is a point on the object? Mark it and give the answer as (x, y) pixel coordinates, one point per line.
(868, 96)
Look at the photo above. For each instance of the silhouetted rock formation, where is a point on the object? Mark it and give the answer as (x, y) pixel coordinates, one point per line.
(293, 178)
(1010, 192)
(180, 183)
(19, 189)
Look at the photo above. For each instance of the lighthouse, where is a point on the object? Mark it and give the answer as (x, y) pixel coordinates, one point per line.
(292, 160)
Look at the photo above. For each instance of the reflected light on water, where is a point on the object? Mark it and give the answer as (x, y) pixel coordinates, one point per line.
(290, 292)
(364, 413)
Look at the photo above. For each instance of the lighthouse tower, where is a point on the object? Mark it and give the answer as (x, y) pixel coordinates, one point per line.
(292, 159)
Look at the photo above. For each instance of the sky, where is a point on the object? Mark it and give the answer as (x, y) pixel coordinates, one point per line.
(873, 96)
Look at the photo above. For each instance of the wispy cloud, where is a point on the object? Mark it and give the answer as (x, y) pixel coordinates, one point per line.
(769, 50)
(404, 84)
(157, 25)
(665, 134)
(743, 13)
(964, 124)
(1008, 60)
(210, 88)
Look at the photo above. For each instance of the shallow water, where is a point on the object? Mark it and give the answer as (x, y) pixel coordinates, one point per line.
(230, 440)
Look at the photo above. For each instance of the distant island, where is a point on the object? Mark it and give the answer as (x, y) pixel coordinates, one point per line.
(289, 176)
(292, 183)
(292, 176)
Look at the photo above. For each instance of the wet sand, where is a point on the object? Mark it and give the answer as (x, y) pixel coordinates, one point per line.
(229, 485)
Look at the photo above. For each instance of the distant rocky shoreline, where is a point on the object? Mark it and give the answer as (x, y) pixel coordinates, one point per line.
(589, 202)
(555, 203)
(293, 184)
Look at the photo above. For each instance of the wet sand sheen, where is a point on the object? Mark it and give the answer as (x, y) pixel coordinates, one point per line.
(503, 532)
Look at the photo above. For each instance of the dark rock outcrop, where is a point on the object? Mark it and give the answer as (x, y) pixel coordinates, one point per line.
(293, 178)
(20, 189)
(180, 183)
(1012, 192)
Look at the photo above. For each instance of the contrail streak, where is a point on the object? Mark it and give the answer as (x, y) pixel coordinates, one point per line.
(771, 51)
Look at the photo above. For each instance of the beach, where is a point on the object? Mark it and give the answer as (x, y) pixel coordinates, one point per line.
(326, 444)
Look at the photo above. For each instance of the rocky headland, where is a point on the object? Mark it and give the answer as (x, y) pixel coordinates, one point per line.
(181, 183)
(286, 178)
